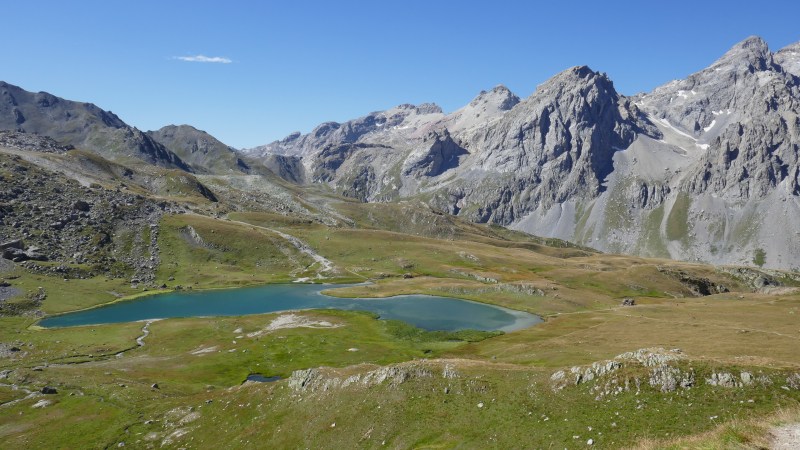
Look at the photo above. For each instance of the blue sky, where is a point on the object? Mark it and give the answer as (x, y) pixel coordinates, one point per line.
(294, 64)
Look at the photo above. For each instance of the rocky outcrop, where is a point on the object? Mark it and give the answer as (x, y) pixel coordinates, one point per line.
(319, 380)
(663, 375)
(32, 142)
(668, 379)
(757, 279)
(699, 286)
(442, 155)
(658, 368)
(793, 381)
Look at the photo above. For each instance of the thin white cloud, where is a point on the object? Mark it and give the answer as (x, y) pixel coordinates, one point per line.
(205, 59)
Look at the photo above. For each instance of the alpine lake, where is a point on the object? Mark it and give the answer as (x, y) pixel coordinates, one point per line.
(423, 311)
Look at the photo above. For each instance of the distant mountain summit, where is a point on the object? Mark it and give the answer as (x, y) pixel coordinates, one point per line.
(82, 125)
(689, 171)
(203, 152)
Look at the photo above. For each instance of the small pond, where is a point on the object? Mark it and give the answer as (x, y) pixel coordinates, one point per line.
(257, 377)
(423, 311)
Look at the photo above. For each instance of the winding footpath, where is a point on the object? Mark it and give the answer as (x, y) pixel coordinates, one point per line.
(145, 332)
(325, 264)
(302, 247)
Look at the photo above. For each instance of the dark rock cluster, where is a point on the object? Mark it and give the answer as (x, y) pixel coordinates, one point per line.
(55, 225)
(29, 141)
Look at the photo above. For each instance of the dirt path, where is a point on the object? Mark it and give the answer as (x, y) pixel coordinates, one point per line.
(145, 332)
(326, 265)
(786, 437)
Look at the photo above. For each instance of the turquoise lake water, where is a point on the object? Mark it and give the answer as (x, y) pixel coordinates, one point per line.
(423, 311)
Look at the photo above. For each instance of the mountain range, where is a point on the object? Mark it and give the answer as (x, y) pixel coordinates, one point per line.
(705, 168)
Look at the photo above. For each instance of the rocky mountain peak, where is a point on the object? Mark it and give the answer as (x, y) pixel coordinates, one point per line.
(292, 137)
(500, 98)
(752, 44)
(789, 58)
(578, 93)
(704, 102)
(571, 74)
(576, 81)
(428, 108)
(751, 54)
(202, 151)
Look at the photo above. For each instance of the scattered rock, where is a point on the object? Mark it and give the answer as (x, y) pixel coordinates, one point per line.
(667, 379)
(321, 379)
(14, 243)
(793, 381)
(449, 372)
(81, 205)
(723, 379)
(30, 141)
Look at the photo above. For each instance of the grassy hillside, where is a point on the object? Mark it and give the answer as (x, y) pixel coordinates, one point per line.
(439, 390)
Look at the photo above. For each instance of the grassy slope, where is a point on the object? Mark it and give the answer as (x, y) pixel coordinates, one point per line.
(509, 373)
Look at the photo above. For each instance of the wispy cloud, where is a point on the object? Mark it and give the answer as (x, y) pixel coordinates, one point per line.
(204, 59)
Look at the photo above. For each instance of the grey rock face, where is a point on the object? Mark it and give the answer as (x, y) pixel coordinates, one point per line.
(759, 149)
(793, 381)
(664, 375)
(289, 168)
(556, 145)
(789, 58)
(443, 155)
